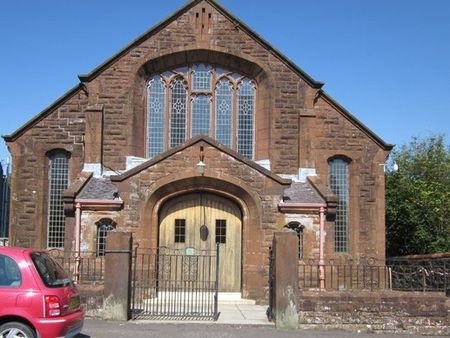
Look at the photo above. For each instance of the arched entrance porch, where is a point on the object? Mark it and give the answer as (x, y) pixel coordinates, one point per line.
(253, 255)
(199, 221)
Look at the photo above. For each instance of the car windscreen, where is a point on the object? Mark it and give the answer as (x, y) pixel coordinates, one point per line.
(52, 274)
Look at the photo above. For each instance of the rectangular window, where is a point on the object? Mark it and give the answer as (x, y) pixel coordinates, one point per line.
(221, 231)
(180, 230)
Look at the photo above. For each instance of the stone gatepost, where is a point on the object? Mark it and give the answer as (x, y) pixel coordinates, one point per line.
(117, 290)
(286, 290)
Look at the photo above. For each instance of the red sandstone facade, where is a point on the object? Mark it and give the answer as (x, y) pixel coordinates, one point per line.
(297, 126)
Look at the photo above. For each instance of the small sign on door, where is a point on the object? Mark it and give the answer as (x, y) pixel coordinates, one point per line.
(190, 251)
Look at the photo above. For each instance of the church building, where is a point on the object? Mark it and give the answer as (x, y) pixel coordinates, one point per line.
(200, 132)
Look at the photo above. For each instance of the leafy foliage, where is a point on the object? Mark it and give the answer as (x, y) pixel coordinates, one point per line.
(418, 198)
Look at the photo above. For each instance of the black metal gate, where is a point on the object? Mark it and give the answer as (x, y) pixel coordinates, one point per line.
(270, 309)
(175, 284)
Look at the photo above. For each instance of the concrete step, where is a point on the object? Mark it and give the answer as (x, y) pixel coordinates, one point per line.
(234, 298)
(199, 298)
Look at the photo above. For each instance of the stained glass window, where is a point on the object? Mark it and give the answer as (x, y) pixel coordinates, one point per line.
(246, 106)
(178, 113)
(338, 180)
(201, 114)
(200, 99)
(224, 112)
(155, 120)
(58, 180)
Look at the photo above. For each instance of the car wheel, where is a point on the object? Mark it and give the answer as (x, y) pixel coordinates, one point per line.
(16, 330)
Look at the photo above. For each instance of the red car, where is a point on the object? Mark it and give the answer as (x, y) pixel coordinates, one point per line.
(37, 298)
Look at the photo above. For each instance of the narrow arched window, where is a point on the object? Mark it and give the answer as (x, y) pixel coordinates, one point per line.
(58, 181)
(246, 107)
(155, 118)
(298, 228)
(224, 112)
(104, 226)
(178, 113)
(339, 185)
(201, 114)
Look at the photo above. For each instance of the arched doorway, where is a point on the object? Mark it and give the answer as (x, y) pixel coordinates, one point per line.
(200, 220)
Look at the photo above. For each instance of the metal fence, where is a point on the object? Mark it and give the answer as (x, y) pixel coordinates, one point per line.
(91, 265)
(171, 284)
(4, 200)
(344, 276)
(411, 274)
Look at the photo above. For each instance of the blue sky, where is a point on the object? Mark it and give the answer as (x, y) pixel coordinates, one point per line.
(387, 61)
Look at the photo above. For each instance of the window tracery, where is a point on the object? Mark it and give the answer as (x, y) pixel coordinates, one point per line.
(200, 99)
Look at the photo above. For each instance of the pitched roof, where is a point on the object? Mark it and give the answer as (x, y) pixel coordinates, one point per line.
(66, 96)
(302, 192)
(98, 188)
(191, 142)
(378, 140)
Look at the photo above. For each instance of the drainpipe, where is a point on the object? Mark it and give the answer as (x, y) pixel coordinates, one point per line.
(77, 241)
(321, 249)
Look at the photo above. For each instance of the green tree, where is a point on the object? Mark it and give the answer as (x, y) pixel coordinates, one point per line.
(418, 198)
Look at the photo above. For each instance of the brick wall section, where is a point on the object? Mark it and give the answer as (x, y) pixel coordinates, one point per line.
(402, 312)
(92, 299)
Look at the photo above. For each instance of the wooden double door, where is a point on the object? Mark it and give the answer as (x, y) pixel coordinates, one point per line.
(197, 221)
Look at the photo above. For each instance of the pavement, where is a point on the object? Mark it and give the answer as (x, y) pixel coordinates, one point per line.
(238, 318)
(133, 329)
(243, 314)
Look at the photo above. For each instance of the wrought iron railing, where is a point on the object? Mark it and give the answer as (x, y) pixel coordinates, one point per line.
(344, 276)
(169, 283)
(91, 266)
(411, 274)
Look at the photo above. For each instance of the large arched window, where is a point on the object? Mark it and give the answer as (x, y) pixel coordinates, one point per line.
(58, 181)
(200, 99)
(339, 185)
(104, 226)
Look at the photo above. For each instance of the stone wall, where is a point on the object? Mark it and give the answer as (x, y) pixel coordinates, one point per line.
(92, 299)
(387, 311)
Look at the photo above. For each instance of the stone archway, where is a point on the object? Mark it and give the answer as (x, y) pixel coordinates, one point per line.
(253, 254)
(198, 221)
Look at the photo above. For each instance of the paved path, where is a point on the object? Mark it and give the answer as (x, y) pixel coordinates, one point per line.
(102, 329)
